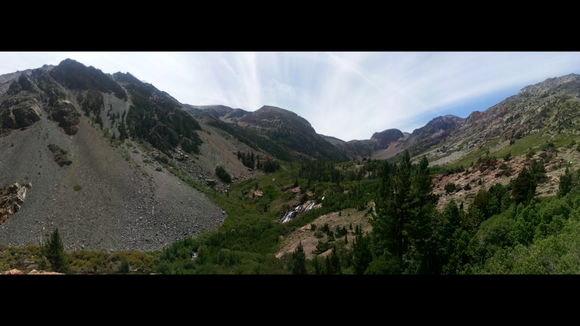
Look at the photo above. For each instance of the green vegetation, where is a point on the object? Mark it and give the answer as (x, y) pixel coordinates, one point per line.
(299, 261)
(54, 252)
(77, 187)
(499, 232)
(220, 171)
(255, 139)
(159, 121)
(450, 187)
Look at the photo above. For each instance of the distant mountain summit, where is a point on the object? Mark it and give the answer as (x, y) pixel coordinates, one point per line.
(386, 137)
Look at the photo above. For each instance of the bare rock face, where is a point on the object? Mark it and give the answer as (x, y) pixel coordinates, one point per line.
(27, 85)
(59, 155)
(386, 137)
(20, 112)
(157, 155)
(20, 107)
(67, 116)
(11, 198)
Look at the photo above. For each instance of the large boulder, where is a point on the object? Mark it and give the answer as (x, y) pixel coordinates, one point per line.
(59, 155)
(27, 84)
(20, 113)
(67, 116)
(158, 156)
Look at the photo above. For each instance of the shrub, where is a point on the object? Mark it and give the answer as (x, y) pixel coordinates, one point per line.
(548, 146)
(467, 187)
(124, 267)
(319, 234)
(450, 187)
(530, 154)
(77, 187)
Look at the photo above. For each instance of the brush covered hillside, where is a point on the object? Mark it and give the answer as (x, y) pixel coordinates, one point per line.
(277, 131)
(136, 182)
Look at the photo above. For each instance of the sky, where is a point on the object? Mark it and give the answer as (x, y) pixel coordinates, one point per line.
(347, 95)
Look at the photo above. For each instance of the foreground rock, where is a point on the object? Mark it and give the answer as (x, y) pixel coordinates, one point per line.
(32, 272)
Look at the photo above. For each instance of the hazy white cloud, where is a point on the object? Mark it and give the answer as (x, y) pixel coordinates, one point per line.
(346, 95)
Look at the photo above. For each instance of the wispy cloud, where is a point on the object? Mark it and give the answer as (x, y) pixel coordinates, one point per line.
(346, 95)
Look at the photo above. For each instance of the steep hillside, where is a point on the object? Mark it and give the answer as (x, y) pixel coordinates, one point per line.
(279, 132)
(94, 151)
(538, 114)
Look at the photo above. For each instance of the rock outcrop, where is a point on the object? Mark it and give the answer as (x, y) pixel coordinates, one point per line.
(158, 156)
(11, 198)
(67, 116)
(20, 111)
(59, 155)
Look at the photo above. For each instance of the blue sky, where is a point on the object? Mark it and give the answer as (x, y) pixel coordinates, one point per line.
(348, 95)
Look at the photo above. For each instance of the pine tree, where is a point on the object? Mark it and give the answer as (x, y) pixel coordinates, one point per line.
(524, 184)
(565, 183)
(316, 265)
(54, 252)
(299, 260)
(335, 262)
(404, 210)
(328, 266)
(361, 253)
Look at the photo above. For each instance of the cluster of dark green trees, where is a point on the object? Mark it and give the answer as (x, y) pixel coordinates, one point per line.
(160, 121)
(221, 172)
(268, 165)
(323, 171)
(410, 236)
(248, 159)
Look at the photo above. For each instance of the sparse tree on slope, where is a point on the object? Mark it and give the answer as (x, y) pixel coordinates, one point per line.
(299, 260)
(54, 252)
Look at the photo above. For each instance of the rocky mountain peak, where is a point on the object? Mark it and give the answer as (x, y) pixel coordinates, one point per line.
(548, 84)
(387, 136)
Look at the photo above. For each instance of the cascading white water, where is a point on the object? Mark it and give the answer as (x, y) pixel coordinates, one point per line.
(288, 216)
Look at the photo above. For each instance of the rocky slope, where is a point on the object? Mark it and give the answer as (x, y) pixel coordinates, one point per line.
(551, 107)
(100, 193)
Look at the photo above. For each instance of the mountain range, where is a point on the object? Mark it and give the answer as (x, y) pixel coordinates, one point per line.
(98, 155)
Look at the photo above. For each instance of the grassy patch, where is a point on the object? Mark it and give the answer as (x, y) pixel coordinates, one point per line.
(475, 154)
